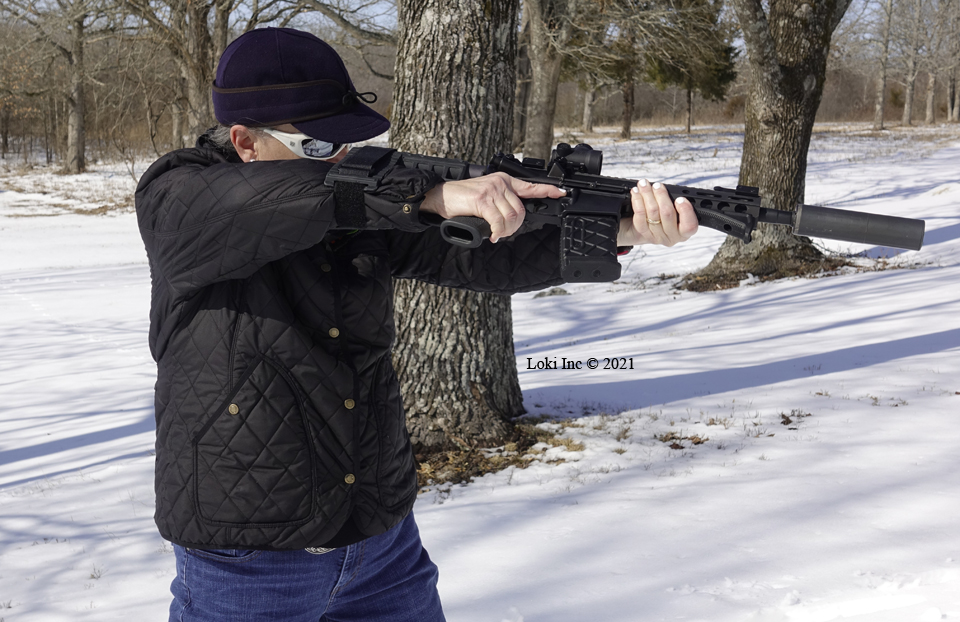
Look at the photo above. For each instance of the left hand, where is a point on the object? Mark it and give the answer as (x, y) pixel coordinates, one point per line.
(656, 219)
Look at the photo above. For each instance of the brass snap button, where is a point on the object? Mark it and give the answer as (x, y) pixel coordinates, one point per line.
(334, 332)
(233, 409)
(349, 478)
(349, 403)
(406, 208)
(326, 267)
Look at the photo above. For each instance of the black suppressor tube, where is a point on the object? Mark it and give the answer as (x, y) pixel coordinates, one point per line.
(837, 224)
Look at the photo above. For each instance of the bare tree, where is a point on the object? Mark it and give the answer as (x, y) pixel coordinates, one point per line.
(910, 39)
(196, 32)
(886, 21)
(950, 64)
(937, 31)
(945, 59)
(67, 27)
(453, 97)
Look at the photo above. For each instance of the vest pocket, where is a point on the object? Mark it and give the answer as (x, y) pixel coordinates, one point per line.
(396, 471)
(252, 460)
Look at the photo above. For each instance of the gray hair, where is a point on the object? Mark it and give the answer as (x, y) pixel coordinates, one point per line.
(220, 136)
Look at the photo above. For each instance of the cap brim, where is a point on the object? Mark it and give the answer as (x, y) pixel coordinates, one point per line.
(359, 124)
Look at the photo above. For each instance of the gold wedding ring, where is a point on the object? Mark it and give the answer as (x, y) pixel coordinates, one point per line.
(653, 222)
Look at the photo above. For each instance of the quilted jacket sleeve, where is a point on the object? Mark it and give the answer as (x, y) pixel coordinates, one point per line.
(526, 262)
(205, 218)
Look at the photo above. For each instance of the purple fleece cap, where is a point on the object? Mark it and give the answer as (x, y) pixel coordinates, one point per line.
(273, 76)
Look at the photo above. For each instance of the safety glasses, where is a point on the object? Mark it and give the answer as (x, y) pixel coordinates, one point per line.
(305, 146)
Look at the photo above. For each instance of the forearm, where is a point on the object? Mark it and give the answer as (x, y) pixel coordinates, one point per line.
(204, 222)
(529, 261)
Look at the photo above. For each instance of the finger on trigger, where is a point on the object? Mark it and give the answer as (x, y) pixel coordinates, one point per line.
(515, 208)
(490, 213)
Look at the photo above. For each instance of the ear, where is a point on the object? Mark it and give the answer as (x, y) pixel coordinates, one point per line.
(244, 142)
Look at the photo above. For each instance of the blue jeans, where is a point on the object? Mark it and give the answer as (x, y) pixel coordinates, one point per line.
(387, 578)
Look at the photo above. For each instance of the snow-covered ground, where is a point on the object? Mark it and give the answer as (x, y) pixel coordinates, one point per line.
(780, 451)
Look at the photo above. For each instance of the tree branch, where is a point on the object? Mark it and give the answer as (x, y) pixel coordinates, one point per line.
(357, 31)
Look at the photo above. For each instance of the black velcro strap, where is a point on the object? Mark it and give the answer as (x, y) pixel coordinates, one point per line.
(359, 172)
(350, 212)
(365, 160)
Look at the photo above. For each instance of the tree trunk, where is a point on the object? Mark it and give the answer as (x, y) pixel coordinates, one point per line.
(951, 88)
(626, 122)
(522, 93)
(907, 118)
(455, 81)
(884, 58)
(75, 161)
(930, 117)
(589, 99)
(956, 100)
(689, 109)
(956, 104)
(176, 125)
(787, 58)
(4, 130)
(913, 62)
(542, 105)
(197, 78)
(550, 29)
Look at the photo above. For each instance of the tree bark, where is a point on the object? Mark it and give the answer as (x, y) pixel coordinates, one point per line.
(884, 59)
(787, 58)
(75, 161)
(689, 109)
(455, 82)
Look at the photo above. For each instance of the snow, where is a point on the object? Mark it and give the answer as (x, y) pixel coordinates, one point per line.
(816, 420)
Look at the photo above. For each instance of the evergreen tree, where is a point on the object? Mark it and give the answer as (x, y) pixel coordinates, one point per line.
(707, 69)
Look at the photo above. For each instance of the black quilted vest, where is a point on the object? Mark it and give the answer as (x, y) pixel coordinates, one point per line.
(279, 419)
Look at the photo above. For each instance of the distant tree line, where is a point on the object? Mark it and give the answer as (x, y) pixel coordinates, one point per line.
(120, 78)
(123, 77)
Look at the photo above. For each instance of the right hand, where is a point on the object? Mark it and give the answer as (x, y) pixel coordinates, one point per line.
(496, 198)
